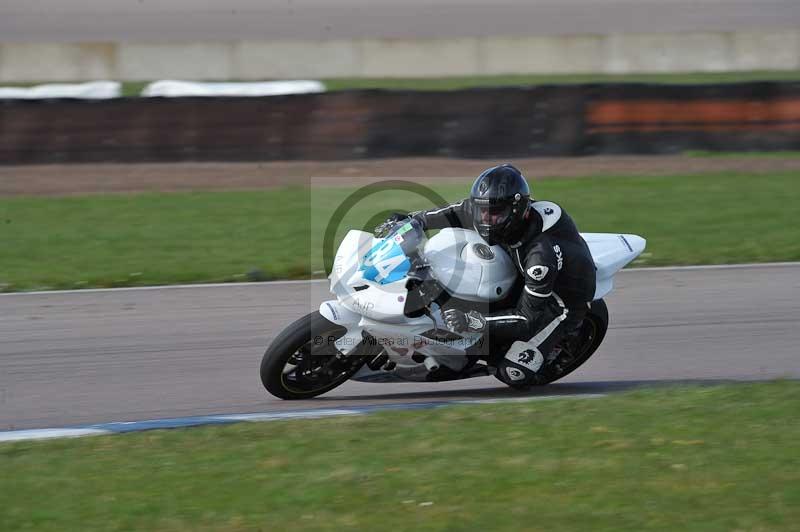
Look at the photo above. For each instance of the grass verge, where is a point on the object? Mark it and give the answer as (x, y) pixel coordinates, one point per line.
(691, 458)
(134, 89)
(128, 240)
(743, 154)
(465, 82)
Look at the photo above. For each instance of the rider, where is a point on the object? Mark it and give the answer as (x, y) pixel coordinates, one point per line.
(549, 253)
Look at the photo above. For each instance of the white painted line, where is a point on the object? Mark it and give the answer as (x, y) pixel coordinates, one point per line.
(163, 287)
(758, 265)
(164, 424)
(46, 434)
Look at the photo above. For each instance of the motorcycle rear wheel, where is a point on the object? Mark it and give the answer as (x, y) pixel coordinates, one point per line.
(302, 362)
(592, 331)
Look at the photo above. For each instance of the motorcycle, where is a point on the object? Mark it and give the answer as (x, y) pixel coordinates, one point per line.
(385, 323)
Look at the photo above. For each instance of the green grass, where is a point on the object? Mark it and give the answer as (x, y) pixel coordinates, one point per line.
(127, 240)
(134, 88)
(744, 154)
(686, 458)
(450, 83)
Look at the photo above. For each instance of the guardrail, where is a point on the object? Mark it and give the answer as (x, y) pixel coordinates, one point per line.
(476, 123)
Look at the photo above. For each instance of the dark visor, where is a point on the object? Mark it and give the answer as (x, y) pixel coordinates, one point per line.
(492, 214)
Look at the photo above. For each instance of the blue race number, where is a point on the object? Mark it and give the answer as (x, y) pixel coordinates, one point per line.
(385, 263)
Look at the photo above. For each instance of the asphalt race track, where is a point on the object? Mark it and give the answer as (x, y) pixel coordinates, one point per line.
(126, 355)
(211, 20)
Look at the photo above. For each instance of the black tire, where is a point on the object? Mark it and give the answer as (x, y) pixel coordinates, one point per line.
(592, 332)
(298, 341)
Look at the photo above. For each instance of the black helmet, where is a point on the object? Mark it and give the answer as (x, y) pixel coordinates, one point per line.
(499, 200)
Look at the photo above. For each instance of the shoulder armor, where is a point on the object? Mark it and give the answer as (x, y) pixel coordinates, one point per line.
(550, 213)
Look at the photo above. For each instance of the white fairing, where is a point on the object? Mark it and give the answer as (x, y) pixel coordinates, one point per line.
(379, 302)
(464, 264)
(611, 252)
(453, 255)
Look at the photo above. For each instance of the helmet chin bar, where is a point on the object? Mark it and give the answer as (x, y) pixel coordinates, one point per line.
(488, 233)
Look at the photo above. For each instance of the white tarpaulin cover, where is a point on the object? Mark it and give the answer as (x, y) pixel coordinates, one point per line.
(93, 90)
(171, 89)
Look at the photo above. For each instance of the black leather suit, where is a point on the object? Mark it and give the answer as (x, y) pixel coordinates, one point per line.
(557, 268)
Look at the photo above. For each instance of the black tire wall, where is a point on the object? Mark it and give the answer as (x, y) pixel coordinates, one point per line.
(494, 123)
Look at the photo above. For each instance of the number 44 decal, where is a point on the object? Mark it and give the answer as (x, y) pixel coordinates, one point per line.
(384, 263)
(387, 266)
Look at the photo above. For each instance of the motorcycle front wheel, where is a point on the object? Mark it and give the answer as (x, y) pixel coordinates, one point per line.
(303, 361)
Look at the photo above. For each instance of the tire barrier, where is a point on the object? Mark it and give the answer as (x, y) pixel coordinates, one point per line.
(476, 123)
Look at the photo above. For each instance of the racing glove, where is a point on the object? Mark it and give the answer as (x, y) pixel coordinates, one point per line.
(386, 227)
(458, 321)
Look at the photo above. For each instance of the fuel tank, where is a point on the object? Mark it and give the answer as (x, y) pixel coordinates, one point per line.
(468, 267)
